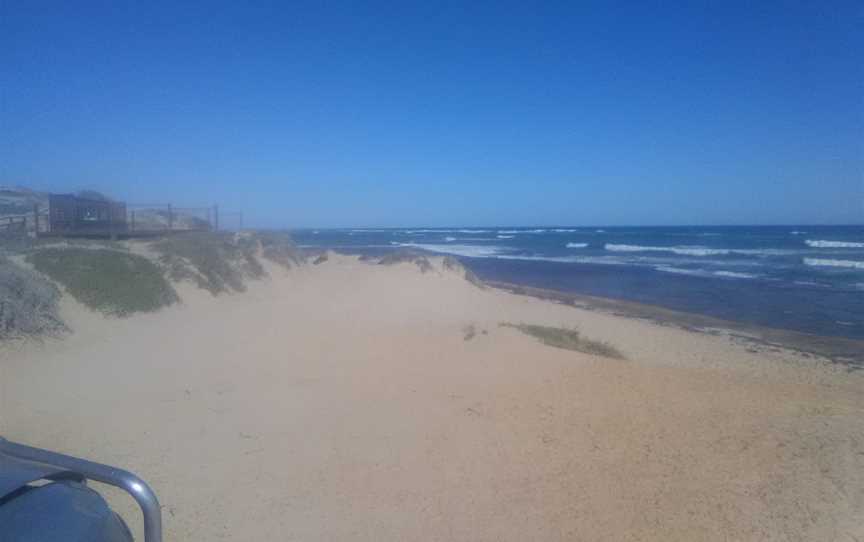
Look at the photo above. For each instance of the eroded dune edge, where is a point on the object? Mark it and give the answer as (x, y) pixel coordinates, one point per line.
(349, 398)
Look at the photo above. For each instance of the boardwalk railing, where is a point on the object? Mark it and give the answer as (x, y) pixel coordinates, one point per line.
(79, 217)
(14, 225)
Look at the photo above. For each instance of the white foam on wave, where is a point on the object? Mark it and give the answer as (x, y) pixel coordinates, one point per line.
(833, 244)
(735, 275)
(471, 251)
(601, 260)
(824, 262)
(705, 272)
(684, 250)
(505, 253)
(576, 245)
(559, 259)
(680, 271)
(795, 232)
(506, 236)
(700, 251)
(442, 231)
(508, 231)
(600, 231)
(563, 230)
(449, 239)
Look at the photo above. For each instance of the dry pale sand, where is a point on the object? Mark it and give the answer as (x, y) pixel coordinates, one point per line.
(341, 402)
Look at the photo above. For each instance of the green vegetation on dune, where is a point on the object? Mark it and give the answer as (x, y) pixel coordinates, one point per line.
(568, 339)
(216, 262)
(452, 264)
(28, 302)
(110, 281)
(279, 248)
(407, 256)
(109, 277)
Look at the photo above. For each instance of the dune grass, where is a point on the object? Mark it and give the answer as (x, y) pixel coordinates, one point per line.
(110, 281)
(453, 264)
(279, 248)
(216, 262)
(410, 256)
(568, 339)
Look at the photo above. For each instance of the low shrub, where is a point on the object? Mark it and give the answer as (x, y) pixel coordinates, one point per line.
(568, 339)
(28, 303)
(113, 282)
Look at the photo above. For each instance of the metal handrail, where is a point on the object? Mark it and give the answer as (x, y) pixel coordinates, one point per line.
(106, 474)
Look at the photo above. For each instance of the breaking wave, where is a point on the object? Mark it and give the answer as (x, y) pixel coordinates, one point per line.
(700, 251)
(823, 262)
(705, 272)
(576, 245)
(471, 251)
(601, 260)
(463, 230)
(833, 244)
(735, 275)
(687, 251)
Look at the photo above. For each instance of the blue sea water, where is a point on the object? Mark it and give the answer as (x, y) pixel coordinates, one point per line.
(803, 278)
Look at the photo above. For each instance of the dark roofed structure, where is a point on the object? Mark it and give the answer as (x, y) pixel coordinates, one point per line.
(73, 215)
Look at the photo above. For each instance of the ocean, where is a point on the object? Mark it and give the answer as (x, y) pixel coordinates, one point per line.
(802, 278)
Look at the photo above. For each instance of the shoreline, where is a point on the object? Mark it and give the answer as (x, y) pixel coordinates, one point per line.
(840, 350)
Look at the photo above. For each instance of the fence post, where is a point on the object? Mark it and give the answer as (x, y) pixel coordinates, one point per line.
(132, 221)
(170, 217)
(215, 218)
(35, 220)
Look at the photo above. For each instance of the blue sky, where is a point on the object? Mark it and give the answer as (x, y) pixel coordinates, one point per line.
(428, 113)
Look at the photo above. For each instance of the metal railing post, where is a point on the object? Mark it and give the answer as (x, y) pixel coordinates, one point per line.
(106, 474)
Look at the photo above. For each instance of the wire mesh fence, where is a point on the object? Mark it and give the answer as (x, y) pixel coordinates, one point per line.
(165, 217)
(88, 218)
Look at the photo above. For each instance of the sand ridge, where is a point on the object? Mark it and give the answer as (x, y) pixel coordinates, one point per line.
(341, 401)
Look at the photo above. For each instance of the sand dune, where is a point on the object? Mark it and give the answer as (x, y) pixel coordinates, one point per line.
(342, 402)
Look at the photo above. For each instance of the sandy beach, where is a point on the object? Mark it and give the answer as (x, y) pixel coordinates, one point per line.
(349, 401)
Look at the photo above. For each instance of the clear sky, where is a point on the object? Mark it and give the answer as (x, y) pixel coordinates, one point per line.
(439, 113)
